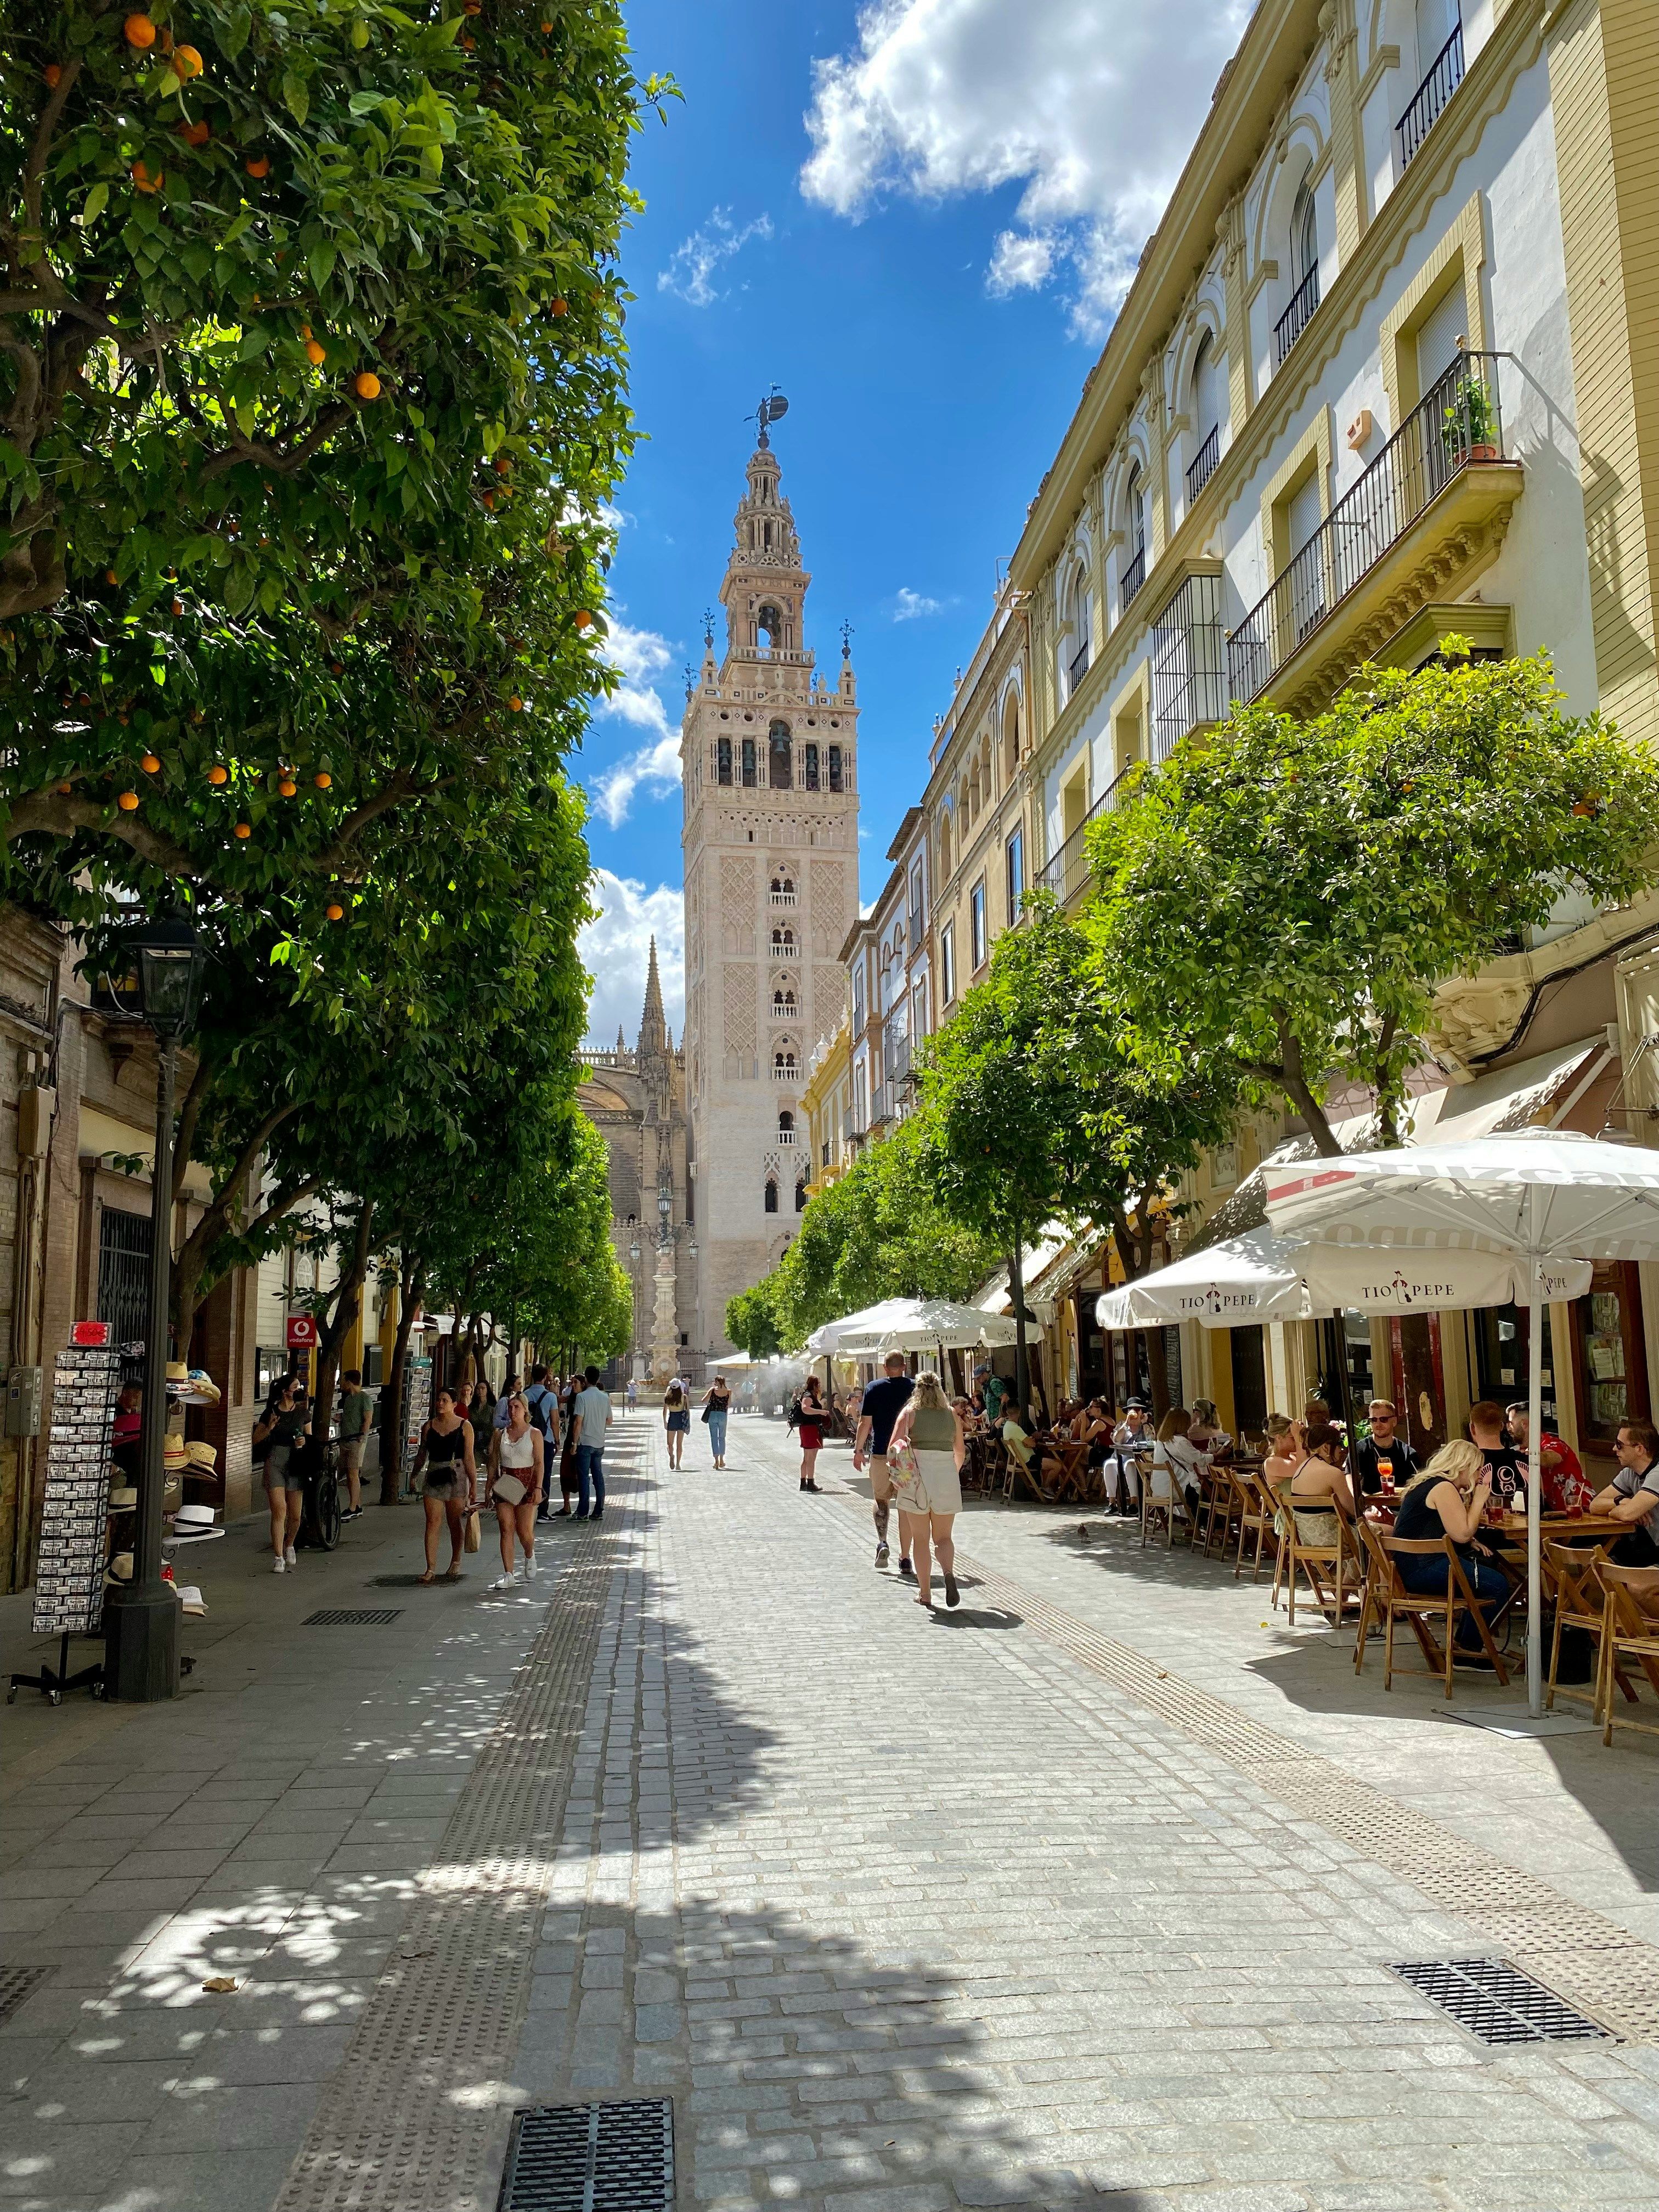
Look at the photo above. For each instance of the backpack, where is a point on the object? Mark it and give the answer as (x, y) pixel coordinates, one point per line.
(537, 1401)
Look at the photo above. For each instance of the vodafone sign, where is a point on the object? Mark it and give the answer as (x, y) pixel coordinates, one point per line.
(301, 1333)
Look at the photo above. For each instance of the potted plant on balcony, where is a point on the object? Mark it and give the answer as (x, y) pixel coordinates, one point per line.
(1469, 426)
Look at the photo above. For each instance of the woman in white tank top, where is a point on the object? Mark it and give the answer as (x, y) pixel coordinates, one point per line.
(515, 1485)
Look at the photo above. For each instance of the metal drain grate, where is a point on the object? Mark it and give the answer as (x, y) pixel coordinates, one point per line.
(18, 1984)
(1498, 2003)
(590, 2158)
(369, 1617)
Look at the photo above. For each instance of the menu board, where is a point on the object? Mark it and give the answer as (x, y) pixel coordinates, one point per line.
(69, 1578)
(417, 1399)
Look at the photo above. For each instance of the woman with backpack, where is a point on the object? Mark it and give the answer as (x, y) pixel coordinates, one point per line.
(807, 1414)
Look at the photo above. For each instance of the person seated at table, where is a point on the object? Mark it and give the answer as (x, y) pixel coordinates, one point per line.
(1286, 1449)
(1095, 1433)
(1023, 1447)
(1177, 1459)
(1449, 1499)
(1132, 1438)
(1204, 1430)
(1504, 1463)
(1381, 1461)
(963, 1409)
(1633, 1494)
(1565, 1486)
(1319, 1487)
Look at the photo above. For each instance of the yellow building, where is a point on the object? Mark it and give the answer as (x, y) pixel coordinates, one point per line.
(826, 1109)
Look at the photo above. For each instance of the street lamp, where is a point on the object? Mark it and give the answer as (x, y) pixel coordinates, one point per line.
(141, 1618)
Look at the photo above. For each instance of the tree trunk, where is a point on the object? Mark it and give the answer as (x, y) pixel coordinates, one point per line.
(1022, 1365)
(1291, 1075)
(412, 1281)
(346, 1304)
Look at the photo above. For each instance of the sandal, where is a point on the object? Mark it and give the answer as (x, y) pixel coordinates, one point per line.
(453, 1575)
(430, 1576)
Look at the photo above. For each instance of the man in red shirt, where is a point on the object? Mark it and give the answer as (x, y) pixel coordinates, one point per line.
(1566, 1488)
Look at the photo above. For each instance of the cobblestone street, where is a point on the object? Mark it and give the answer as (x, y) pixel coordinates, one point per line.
(1084, 1894)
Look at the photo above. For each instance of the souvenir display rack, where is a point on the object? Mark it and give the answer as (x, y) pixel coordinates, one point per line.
(69, 1583)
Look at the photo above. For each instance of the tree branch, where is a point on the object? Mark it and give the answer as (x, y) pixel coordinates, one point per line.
(189, 1113)
(60, 814)
(401, 788)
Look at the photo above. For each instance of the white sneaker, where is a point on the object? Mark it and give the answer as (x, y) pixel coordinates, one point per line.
(529, 1568)
(278, 1566)
(502, 1583)
(288, 1557)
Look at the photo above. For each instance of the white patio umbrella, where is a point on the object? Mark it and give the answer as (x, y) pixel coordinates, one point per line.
(910, 1325)
(1543, 1199)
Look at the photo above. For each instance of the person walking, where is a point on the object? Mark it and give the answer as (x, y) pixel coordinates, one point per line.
(590, 1416)
(676, 1420)
(930, 1491)
(809, 1422)
(880, 1407)
(568, 1396)
(633, 1396)
(356, 1411)
(278, 1431)
(446, 1453)
(716, 1407)
(517, 1467)
(504, 1402)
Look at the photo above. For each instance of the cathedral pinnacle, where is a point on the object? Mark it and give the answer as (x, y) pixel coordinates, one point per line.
(653, 1030)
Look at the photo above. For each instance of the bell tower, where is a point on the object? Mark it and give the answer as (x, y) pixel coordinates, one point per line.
(768, 755)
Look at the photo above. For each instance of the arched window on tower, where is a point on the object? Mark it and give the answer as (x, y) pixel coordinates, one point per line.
(771, 1195)
(786, 1123)
(835, 768)
(723, 760)
(800, 1195)
(780, 758)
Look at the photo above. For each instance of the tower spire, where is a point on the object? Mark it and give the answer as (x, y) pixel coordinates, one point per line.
(653, 1029)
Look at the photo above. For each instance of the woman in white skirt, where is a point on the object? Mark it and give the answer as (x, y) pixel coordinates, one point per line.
(930, 1496)
(516, 1463)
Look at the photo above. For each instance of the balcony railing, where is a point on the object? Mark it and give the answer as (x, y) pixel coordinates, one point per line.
(1201, 467)
(1077, 668)
(895, 1059)
(881, 1105)
(790, 1073)
(1066, 871)
(787, 1136)
(1133, 577)
(849, 1127)
(1297, 317)
(1445, 75)
(783, 898)
(1459, 425)
(1189, 669)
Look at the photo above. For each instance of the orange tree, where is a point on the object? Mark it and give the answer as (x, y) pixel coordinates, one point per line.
(311, 394)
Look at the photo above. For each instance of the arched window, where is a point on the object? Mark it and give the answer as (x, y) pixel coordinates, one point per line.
(771, 1195)
(1304, 234)
(786, 1121)
(1079, 645)
(944, 847)
(1134, 513)
(1010, 736)
(782, 758)
(769, 623)
(777, 1002)
(800, 1195)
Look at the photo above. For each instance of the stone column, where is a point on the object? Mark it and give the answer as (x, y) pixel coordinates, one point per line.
(665, 1335)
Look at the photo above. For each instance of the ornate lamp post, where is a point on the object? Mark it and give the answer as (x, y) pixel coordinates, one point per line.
(141, 1618)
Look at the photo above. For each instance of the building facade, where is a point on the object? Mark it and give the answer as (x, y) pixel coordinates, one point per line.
(636, 1100)
(827, 1106)
(769, 765)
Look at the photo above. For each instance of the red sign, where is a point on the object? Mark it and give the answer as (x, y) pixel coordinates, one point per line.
(301, 1333)
(90, 1331)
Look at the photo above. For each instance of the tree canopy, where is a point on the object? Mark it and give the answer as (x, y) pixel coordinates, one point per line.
(1284, 898)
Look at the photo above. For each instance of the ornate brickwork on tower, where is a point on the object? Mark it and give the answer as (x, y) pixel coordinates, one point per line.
(769, 756)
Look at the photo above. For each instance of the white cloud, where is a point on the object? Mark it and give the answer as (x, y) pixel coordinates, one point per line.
(615, 950)
(695, 262)
(909, 604)
(641, 655)
(1092, 105)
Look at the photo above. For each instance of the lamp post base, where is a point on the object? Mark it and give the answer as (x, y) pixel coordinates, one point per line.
(140, 1643)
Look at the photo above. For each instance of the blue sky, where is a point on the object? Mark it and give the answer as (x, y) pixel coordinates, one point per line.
(920, 241)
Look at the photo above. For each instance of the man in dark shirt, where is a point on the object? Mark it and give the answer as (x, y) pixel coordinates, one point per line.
(1383, 1452)
(1508, 1466)
(883, 1402)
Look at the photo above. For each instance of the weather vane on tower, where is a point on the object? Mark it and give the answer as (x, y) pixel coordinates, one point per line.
(772, 409)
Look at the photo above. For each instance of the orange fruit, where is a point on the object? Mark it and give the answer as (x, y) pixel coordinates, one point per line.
(127, 801)
(244, 829)
(584, 620)
(490, 499)
(258, 167)
(217, 775)
(560, 306)
(546, 27)
(110, 576)
(472, 7)
(145, 182)
(516, 703)
(314, 353)
(367, 384)
(287, 786)
(322, 779)
(502, 464)
(52, 74)
(64, 789)
(186, 61)
(305, 330)
(150, 764)
(140, 32)
(468, 46)
(178, 606)
(334, 910)
(193, 134)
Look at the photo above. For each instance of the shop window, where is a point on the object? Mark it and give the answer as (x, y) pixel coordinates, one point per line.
(1500, 1357)
(1610, 1363)
(123, 1271)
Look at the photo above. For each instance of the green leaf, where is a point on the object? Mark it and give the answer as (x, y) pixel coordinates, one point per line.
(96, 201)
(296, 95)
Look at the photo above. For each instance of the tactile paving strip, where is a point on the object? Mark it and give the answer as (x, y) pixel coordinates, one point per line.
(412, 2120)
(1588, 1959)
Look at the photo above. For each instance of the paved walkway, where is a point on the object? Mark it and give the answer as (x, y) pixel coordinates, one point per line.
(1083, 1894)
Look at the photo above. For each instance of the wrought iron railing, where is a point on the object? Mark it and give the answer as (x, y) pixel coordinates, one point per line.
(895, 1059)
(1201, 467)
(1297, 317)
(1077, 667)
(1066, 871)
(1189, 667)
(881, 1104)
(1134, 576)
(1445, 74)
(1458, 425)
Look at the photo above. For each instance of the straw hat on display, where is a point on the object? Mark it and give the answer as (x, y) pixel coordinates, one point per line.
(202, 1456)
(194, 1524)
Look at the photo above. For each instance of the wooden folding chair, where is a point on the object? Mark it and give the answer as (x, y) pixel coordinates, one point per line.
(1573, 1584)
(1256, 1517)
(1217, 1506)
(1332, 1571)
(1171, 1504)
(1420, 1606)
(1628, 1632)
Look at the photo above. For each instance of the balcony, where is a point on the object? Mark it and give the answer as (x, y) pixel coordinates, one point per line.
(785, 898)
(1445, 75)
(788, 1073)
(1432, 507)
(1077, 668)
(1133, 578)
(1201, 467)
(1297, 317)
(1188, 668)
(1066, 873)
(896, 1061)
(787, 1136)
(881, 1105)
